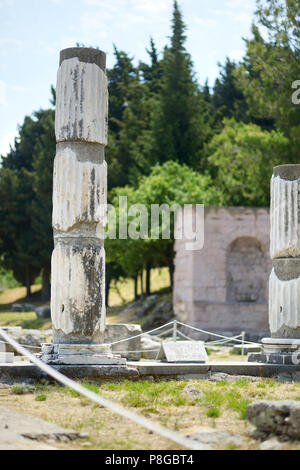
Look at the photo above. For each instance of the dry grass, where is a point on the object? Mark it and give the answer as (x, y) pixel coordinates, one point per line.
(11, 296)
(123, 291)
(160, 401)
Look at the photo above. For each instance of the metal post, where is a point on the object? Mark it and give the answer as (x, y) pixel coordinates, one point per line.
(175, 331)
(243, 339)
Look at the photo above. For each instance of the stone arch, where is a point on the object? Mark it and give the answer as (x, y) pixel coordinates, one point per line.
(246, 271)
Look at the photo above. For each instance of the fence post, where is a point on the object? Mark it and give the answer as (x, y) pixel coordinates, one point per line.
(175, 330)
(243, 343)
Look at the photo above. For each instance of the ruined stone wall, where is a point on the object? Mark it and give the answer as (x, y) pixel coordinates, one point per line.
(224, 286)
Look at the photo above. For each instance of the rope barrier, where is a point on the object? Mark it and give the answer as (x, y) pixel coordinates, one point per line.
(141, 334)
(109, 404)
(214, 334)
(25, 345)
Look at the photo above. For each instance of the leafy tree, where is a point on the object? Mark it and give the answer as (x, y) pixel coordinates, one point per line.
(272, 64)
(26, 194)
(243, 156)
(170, 183)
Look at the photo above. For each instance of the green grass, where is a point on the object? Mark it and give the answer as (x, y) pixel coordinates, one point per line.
(16, 318)
(88, 385)
(7, 280)
(26, 320)
(40, 397)
(213, 413)
(18, 390)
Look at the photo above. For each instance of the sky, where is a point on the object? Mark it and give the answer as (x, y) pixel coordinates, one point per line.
(32, 32)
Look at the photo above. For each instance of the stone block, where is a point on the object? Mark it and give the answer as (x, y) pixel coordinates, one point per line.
(284, 304)
(17, 308)
(281, 418)
(79, 191)
(43, 312)
(81, 102)
(77, 294)
(285, 207)
(131, 349)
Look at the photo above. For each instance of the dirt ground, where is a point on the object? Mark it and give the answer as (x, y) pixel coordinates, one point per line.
(222, 406)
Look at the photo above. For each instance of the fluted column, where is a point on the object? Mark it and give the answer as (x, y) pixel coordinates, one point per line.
(78, 219)
(284, 284)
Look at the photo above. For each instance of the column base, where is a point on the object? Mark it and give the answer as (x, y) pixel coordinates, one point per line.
(79, 354)
(284, 351)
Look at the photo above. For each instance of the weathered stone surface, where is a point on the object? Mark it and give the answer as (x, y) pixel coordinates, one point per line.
(6, 357)
(218, 438)
(84, 54)
(224, 286)
(163, 313)
(43, 312)
(33, 428)
(248, 348)
(220, 376)
(10, 440)
(78, 219)
(81, 109)
(29, 308)
(150, 347)
(183, 351)
(32, 338)
(77, 294)
(131, 349)
(17, 308)
(190, 391)
(84, 359)
(284, 307)
(281, 418)
(270, 444)
(285, 206)
(79, 192)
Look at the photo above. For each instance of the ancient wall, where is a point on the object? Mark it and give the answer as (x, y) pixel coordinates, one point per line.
(224, 286)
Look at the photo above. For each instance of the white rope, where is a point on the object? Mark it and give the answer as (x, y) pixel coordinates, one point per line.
(25, 345)
(115, 407)
(141, 334)
(213, 334)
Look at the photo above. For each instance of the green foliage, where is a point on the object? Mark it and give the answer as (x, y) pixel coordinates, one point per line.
(243, 157)
(180, 124)
(7, 280)
(228, 99)
(18, 390)
(172, 184)
(271, 65)
(42, 397)
(213, 412)
(26, 198)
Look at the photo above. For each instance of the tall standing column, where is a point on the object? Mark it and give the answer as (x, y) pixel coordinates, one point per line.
(284, 286)
(79, 196)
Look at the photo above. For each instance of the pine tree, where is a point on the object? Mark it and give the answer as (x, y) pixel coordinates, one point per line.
(179, 122)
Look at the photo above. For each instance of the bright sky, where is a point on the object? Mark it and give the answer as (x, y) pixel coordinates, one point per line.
(32, 32)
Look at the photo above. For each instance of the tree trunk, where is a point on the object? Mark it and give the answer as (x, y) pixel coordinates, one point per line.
(107, 287)
(171, 273)
(28, 288)
(45, 295)
(136, 287)
(148, 279)
(142, 282)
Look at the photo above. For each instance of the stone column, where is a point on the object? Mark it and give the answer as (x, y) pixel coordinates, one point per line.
(284, 285)
(78, 219)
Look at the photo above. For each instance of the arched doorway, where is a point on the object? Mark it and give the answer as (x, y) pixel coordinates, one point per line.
(246, 271)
